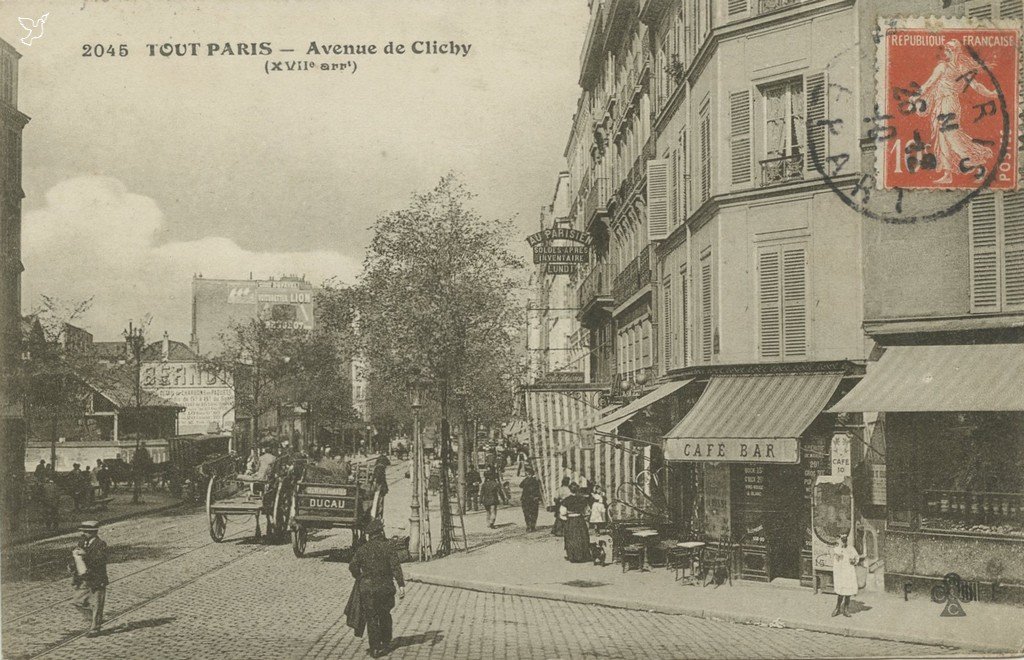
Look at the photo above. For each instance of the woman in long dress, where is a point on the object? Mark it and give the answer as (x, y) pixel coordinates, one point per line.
(955, 150)
(577, 537)
(844, 574)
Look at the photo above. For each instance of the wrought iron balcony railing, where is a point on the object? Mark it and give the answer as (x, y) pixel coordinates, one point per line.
(635, 276)
(596, 289)
(782, 170)
(768, 6)
(596, 206)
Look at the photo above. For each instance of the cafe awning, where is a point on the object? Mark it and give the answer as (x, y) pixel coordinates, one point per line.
(751, 418)
(609, 423)
(962, 378)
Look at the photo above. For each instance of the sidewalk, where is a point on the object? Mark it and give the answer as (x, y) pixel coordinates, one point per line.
(33, 528)
(533, 565)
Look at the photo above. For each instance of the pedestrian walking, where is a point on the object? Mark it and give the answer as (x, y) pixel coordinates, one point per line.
(51, 503)
(376, 568)
(491, 494)
(39, 479)
(522, 462)
(844, 574)
(380, 481)
(577, 538)
(75, 487)
(89, 571)
(103, 477)
(141, 462)
(530, 499)
(473, 489)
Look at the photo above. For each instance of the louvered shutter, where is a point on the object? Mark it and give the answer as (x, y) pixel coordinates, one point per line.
(737, 7)
(705, 309)
(666, 323)
(770, 303)
(816, 98)
(1013, 251)
(739, 136)
(705, 157)
(794, 302)
(684, 175)
(984, 254)
(684, 318)
(657, 199)
(674, 187)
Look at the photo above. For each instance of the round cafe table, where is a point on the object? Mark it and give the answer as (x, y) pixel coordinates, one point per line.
(645, 537)
(691, 556)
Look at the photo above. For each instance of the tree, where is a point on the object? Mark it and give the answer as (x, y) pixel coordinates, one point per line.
(437, 299)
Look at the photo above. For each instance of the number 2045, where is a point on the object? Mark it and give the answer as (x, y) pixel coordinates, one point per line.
(104, 50)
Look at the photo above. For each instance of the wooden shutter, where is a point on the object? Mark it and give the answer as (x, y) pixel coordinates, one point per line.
(739, 136)
(684, 317)
(770, 303)
(794, 302)
(1013, 251)
(674, 187)
(666, 322)
(816, 101)
(705, 309)
(984, 254)
(684, 175)
(657, 199)
(705, 157)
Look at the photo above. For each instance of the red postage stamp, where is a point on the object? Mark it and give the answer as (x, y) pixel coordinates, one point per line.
(947, 111)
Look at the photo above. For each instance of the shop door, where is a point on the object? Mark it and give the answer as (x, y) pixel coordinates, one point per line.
(785, 525)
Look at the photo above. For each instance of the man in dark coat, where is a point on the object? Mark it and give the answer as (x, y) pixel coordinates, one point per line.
(376, 568)
(380, 481)
(89, 568)
(530, 499)
(473, 489)
(141, 463)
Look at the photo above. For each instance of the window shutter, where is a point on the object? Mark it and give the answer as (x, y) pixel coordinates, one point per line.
(705, 157)
(770, 301)
(705, 309)
(657, 199)
(739, 139)
(816, 100)
(984, 254)
(666, 323)
(674, 187)
(794, 302)
(1013, 250)
(737, 7)
(684, 318)
(684, 175)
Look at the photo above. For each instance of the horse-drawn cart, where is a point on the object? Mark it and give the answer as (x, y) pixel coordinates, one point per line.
(327, 499)
(233, 496)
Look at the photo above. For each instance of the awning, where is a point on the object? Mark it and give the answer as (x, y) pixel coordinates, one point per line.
(751, 418)
(609, 423)
(964, 378)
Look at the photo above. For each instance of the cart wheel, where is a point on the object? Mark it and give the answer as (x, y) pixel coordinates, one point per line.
(299, 540)
(218, 523)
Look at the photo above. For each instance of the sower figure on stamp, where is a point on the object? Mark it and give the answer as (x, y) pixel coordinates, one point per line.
(89, 570)
(376, 568)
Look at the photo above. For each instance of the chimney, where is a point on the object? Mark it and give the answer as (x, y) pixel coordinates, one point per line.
(166, 348)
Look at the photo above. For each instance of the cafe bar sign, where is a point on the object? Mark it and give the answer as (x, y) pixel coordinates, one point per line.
(733, 450)
(560, 259)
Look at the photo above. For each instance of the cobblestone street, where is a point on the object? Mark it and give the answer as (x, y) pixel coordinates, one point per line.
(175, 594)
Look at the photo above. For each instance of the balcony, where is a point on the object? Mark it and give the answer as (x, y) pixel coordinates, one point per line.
(595, 293)
(638, 172)
(768, 6)
(633, 277)
(596, 206)
(782, 170)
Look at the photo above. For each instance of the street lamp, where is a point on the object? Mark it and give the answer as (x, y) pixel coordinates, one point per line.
(417, 392)
(136, 341)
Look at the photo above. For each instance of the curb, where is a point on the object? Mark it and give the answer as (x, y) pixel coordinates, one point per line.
(717, 615)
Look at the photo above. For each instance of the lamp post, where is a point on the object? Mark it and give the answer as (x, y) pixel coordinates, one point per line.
(136, 341)
(416, 396)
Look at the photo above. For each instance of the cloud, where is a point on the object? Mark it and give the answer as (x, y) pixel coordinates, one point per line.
(94, 238)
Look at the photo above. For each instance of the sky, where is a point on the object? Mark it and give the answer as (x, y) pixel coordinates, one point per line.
(140, 171)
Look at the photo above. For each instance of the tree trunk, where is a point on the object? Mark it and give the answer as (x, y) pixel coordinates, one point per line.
(446, 512)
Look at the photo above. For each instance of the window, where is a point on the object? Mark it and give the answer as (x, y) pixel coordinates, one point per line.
(646, 345)
(682, 177)
(997, 252)
(706, 338)
(705, 154)
(782, 301)
(783, 108)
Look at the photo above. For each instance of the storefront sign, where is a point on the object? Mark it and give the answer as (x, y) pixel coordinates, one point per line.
(734, 450)
(559, 234)
(208, 398)
(560, 259)
(561, 378)
(560, 269)
(841, 455)
(561, 254)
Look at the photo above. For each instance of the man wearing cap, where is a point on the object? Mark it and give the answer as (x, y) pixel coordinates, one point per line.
(89, 568)
(530, 498)
(376, 568)
(380, 482)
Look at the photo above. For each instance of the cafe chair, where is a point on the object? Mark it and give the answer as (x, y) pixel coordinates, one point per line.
(718, 561)
(632, 557)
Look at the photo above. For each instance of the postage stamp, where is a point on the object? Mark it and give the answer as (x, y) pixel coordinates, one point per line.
(948, 104)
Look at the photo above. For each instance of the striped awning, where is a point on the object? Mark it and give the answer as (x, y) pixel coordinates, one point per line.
(609, 423)
(964, 378)
(735, 410)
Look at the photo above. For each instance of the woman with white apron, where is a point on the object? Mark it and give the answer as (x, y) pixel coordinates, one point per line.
(844, 574)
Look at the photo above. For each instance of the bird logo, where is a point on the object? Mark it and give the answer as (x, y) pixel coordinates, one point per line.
(35, 28)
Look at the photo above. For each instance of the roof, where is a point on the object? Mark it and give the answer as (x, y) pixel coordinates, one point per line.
(121, 393)
(176, 352)
(951, 378)
(111, 351)
(757, 406)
